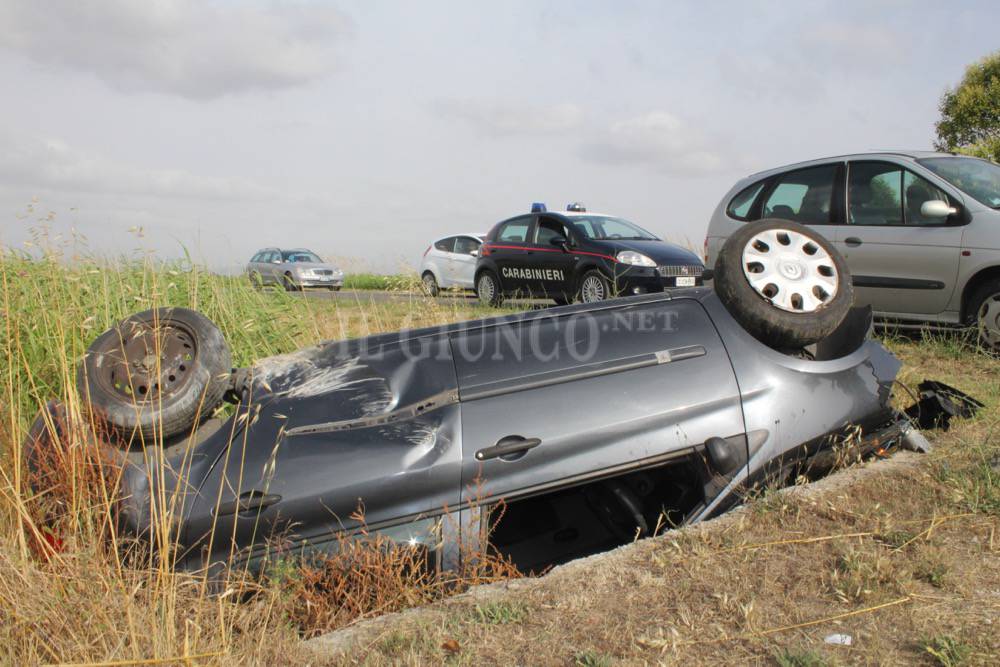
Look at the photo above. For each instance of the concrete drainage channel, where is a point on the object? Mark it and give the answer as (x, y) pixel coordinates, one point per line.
(347, 641)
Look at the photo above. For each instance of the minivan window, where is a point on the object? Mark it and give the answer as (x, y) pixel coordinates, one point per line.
(739, 207)
(804, 195)
(874, 194)
(979, 178)
(916, 191)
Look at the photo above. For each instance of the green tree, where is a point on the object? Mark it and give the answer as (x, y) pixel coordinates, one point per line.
(970, 112)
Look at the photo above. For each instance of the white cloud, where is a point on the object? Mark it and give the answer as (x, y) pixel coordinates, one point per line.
(194, 49)
(657, 138)
(505, 119)
(38, 165)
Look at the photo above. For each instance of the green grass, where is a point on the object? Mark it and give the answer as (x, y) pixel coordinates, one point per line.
(500, 613)
(388, 283)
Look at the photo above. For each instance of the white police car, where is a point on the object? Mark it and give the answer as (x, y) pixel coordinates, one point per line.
(578, 255)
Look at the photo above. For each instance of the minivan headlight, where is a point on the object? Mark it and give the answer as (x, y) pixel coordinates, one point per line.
(634, 258)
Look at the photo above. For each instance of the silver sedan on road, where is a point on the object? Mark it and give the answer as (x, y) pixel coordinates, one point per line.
(293, 269)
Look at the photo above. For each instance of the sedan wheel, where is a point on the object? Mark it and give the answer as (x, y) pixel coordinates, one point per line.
(430, 284)
(593, 288)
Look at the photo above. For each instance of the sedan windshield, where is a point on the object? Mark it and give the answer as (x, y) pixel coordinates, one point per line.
(603, 228)
(978, 178)
(300, 256)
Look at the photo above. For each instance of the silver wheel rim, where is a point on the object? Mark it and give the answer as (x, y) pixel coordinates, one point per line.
(430, 284)
(486, 291)
(592, 289)
(989, 321)
(790, 270)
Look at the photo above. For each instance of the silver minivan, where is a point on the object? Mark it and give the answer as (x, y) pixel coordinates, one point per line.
(920, 231)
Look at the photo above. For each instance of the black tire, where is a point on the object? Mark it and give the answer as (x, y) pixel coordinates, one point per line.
(594, 287)
(430, 284)
(256, 281)
(759, 314)
(334, 289)
(983, 313)
(289, 283)
(135, 391)
(560, 300)
(490, 293)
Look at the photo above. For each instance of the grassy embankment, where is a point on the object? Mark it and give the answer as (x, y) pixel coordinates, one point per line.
(926, 535)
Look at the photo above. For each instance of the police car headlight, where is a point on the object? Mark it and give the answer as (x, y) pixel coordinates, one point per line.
(634, 258)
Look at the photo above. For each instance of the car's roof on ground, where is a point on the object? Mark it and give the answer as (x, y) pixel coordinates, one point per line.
(867, 155)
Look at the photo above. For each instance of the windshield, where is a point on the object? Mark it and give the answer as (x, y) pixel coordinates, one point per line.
(300, 256)
(603, 228)
(979, 178)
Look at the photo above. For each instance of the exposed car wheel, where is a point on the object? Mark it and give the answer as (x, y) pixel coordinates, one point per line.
(289, 283)
(984, 311)
(159, 372)
(594, 287)
(787, 285)
(430, 284)
(488, 289)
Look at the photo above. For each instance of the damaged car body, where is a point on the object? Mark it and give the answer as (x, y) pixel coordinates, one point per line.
(589, 425)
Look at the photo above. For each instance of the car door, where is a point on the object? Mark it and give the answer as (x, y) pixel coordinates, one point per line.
(554, 400)
(902, 262)
(463, 261)
(555, 263)
(444, 250)
(509, 251)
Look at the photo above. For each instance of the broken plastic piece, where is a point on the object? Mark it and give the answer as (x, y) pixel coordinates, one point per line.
(939, 403)
(839, 639)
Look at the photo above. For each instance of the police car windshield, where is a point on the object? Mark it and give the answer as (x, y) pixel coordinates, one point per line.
(605, 228)
(979, 178)
(300, 256)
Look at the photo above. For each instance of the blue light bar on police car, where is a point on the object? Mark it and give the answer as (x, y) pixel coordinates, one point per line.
(577, 207)
(538, 207)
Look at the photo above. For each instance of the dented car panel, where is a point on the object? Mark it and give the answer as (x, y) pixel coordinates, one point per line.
(414, 424)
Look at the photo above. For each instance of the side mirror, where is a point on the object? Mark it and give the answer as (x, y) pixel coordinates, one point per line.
(935, 208)
(275, 261)
(474, 253)
(558, 241)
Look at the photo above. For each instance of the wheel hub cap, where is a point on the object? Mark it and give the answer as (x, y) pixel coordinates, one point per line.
(989, 321)
(148, 362)
(790, 270)
(593, 290)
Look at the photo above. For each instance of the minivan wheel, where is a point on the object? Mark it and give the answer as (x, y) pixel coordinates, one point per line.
(158, 373)
(430, 284)
(488, 289)
(594, 287)
(985, 309)
(786, 284)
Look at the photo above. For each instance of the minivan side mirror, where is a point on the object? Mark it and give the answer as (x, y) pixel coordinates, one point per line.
(935, 208)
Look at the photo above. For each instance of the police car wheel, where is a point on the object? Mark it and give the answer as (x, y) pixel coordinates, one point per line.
(594, 287)
(488, 289)
(783, 282)
(430, 284)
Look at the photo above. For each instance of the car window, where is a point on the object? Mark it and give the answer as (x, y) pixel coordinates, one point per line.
(256, 258)
(979, 178)
(295, 256)
(515, 231)
(465, 245)
(271, 257)
(916, 191)
(739, 207)
(875, 194)
(602, 228)
(548, 229)
(445, 245)
(804, 195)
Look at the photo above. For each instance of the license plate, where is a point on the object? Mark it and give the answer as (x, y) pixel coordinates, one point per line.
(686, 281)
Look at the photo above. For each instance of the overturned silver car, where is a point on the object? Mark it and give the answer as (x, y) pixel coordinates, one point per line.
(593, 424)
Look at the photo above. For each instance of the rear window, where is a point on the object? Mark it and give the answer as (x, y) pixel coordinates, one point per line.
(739, 207)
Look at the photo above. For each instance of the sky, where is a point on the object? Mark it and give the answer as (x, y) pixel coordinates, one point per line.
(365, 130)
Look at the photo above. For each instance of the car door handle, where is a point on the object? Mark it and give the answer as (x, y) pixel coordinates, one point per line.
(852, 241)
(248, 502)
(510, 448)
